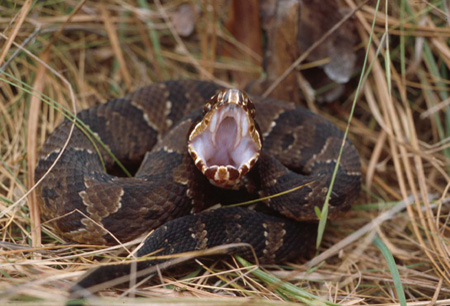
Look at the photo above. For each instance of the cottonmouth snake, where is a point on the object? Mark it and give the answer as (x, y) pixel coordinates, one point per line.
(169, 192)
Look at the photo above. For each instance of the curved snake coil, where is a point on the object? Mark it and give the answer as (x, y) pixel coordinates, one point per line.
(169, 193)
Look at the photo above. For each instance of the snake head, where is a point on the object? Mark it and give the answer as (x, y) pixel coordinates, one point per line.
(225, 144)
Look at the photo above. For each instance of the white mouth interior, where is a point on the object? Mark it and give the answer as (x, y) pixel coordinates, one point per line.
(226, 141)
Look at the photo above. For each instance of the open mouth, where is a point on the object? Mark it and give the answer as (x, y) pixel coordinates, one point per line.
(225, 149)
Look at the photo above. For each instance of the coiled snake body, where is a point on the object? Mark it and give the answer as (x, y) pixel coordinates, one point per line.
(169, 191)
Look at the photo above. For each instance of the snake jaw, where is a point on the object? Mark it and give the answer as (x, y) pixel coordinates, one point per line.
(225, 144)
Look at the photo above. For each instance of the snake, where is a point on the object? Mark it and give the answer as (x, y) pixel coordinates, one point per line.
(195, 148)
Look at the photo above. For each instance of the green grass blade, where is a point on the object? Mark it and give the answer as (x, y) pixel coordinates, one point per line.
(285, 288)
(324, 214)
(154, 36)
(393, 268)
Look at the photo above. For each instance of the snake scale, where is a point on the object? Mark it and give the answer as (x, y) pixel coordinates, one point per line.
(148, 130)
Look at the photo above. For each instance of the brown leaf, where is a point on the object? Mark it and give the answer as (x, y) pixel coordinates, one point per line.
(318, 17)
(280, 22)
(243, 23)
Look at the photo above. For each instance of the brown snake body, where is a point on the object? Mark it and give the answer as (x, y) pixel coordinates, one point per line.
(172, 185)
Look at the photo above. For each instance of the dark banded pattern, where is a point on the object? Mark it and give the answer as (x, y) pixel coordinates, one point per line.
(168, 193)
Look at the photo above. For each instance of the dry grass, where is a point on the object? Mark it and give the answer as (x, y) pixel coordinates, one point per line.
(105, 49)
